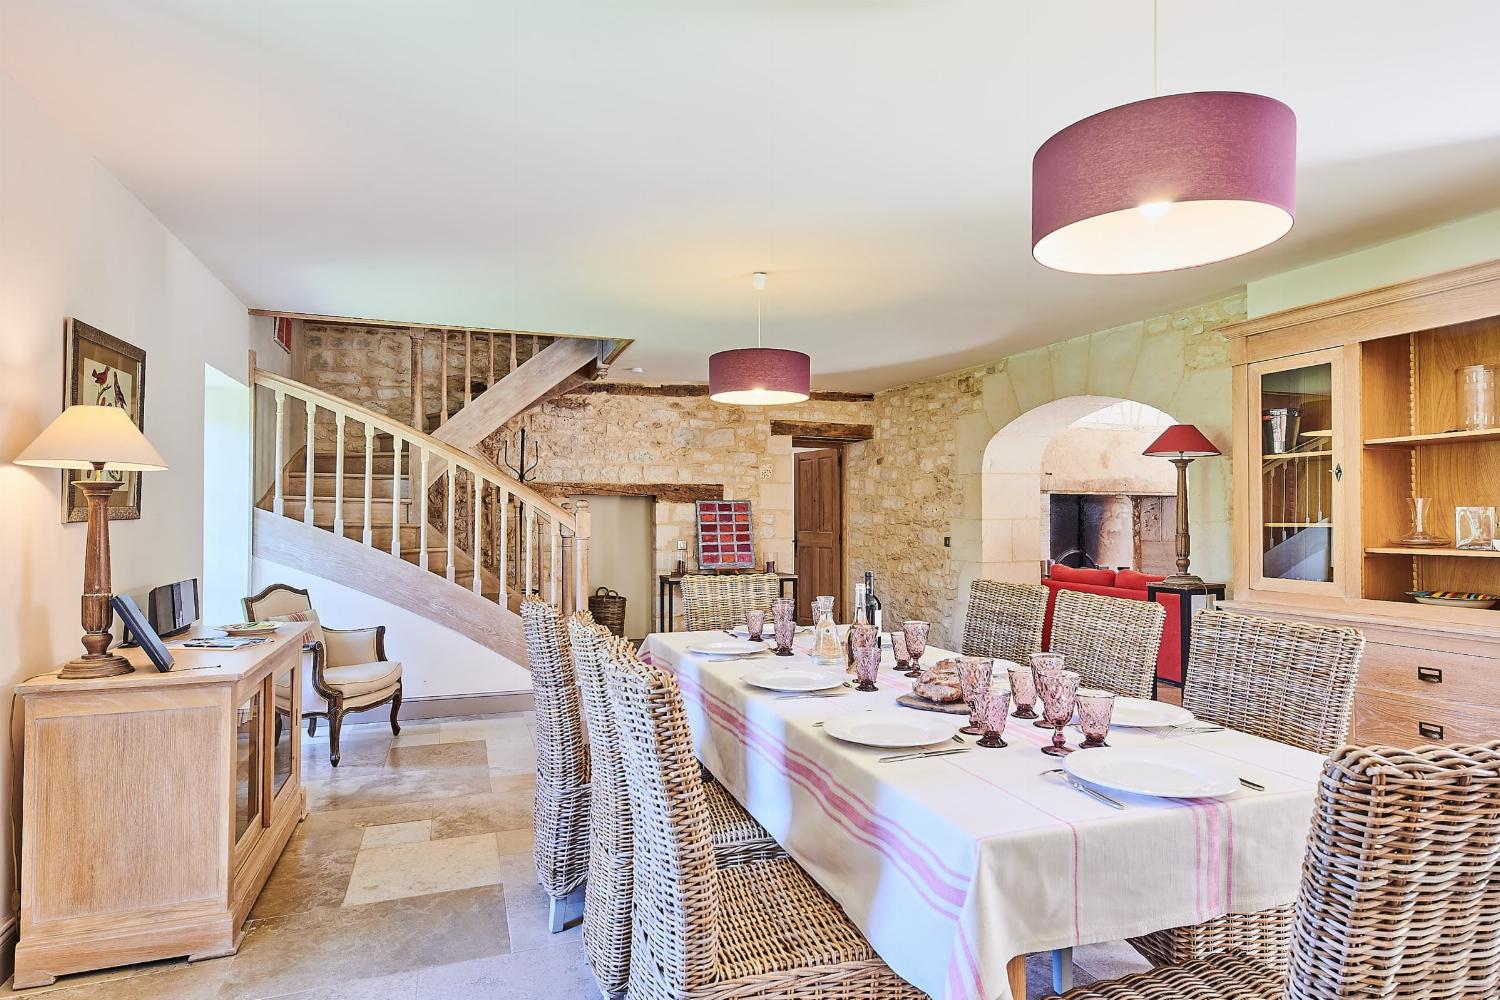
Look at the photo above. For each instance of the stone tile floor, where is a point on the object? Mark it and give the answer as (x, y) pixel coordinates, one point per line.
(412, 878)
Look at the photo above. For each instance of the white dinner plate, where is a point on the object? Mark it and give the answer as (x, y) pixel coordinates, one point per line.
(1143, 713)
(1168, 774)
(726, 647)
(892, 728)
(249, 628)
(766, 630)
(796, 679)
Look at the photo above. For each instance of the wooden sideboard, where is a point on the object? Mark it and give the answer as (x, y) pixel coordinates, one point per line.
(1320, 509)
(155, 805)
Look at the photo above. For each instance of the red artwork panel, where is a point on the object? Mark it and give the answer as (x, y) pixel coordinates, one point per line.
(725, 540)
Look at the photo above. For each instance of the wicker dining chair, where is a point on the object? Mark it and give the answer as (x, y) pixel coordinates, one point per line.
(1111, 642)
(561, 803)
(715, 602)
(1292, 682)
(1400, 890)
(1004, 620)
(737, 837)
(699, 931)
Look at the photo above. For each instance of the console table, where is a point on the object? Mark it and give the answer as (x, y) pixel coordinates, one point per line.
(155, 805)
(669, 582)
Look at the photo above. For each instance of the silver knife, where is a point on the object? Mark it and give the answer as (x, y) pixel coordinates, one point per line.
(1085, 789)
(925, 753)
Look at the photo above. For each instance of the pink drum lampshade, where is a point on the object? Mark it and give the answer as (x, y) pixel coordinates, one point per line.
(759, 376)
(1165, 183)
(1181, 441)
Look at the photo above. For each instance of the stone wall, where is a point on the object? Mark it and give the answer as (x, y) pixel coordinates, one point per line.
(948, 491)
(604, 437)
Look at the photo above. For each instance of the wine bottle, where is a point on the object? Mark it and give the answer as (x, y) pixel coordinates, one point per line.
(872, 603)
(860, 611)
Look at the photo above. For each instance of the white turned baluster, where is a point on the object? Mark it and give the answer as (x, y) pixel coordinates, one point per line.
(420, 486)
(477, 521)
(528, 517)
(338, 474)
(369, 536)
(443, 368)
(502, 547)
(452, 489)
(307, 473)
(468, 367)
(279, 504)
(395, 496)
(555, 544)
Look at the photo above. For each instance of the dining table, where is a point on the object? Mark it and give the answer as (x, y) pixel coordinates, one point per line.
(956, 867)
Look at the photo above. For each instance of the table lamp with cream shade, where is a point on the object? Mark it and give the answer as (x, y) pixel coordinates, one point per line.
(104, 439)
(1180, 444)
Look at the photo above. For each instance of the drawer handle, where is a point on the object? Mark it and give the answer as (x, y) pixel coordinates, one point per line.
(1430, 675)
(1430, 731)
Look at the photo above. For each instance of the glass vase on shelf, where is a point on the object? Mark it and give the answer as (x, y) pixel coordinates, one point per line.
(826, 648)
(1419, 510)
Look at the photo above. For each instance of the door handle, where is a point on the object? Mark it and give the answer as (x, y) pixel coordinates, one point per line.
(1338, 473)
(1429, 675)
(1430, 730)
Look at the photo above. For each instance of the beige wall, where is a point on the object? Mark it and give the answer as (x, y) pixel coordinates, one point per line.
(74, 242)
(621, 556)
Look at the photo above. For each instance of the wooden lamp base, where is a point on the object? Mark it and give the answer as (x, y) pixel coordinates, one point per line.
(97, 613)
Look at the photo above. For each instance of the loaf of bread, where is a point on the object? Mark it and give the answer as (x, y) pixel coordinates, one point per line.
(940, 684)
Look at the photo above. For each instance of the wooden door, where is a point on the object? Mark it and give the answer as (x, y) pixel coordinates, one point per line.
(820, 529)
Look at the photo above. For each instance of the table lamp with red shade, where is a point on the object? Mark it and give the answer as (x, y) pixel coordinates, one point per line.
(103, 439)
(1180, 444)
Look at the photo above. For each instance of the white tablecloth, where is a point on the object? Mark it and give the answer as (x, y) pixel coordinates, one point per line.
(953, 865)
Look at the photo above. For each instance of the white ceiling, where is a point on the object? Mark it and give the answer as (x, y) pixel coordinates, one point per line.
(620, 167)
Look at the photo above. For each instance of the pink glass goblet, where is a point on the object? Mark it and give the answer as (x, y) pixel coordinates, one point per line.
(995, 710)
(1045, 663)
(916, 645)
(755, 625)
(1095, 708)
(1023, 692)
(784, 614)
(974, 678)
(898, 647)
(1057, 690)
(864, 647)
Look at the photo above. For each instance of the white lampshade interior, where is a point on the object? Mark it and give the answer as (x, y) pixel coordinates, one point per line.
(84, 435)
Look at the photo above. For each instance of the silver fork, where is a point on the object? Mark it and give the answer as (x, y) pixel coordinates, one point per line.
(1085, 789)
(925, 753)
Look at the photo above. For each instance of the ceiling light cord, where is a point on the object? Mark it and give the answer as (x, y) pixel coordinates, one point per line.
(1155, 49)
(758, 296)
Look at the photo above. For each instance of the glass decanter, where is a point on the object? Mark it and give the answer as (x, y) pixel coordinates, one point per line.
(1419, 509)
(826, 648)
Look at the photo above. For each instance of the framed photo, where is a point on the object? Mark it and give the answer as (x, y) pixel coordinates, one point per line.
(139, 629)
(725, 537)
(101, 370)
(283, 333)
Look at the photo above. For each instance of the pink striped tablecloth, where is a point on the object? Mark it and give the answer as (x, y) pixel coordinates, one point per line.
(953, 865)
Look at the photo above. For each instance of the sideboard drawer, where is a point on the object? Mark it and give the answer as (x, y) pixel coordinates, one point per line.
(1401, 720)
(1427, 673)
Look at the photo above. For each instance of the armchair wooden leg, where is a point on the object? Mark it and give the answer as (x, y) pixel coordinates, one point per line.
(396, 708)
(335, 723)
(312, 726)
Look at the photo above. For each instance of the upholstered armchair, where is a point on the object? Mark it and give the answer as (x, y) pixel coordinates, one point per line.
(349, 670)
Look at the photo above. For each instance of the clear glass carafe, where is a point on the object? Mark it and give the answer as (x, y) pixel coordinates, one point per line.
(826, 648)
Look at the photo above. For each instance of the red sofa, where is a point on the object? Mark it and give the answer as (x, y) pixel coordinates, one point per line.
(1128, 584)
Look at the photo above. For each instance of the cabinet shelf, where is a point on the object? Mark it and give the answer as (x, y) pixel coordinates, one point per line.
(1461, 553)
(1295, 524)
(1291, 456)
(1448, 437)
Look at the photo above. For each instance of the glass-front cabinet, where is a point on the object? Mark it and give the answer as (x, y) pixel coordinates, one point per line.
(284, 731)
(1298, 473)
(249, 776)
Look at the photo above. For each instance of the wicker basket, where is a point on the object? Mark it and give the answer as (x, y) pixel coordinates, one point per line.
(608, 609)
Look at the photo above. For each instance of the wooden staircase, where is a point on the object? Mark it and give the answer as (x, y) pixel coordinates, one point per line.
(394, 512)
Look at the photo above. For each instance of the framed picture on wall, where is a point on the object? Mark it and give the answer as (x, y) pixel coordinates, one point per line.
(725, 538)
(100, 370)
(283, 333)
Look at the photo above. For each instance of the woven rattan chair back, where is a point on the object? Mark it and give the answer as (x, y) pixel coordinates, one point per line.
(674, 935)
(713, 602)
(1292, 682)
(1401, 884)
(562, 757)
(606, 905)
(1004, 620)
(1110, 641)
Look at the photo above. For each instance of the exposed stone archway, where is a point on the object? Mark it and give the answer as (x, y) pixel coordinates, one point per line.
(1012, 482)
